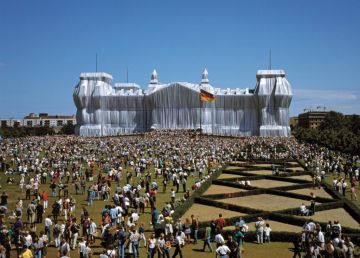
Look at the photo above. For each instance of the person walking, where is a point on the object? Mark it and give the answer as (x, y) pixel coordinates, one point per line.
(234, 247)
(134, 241)
(207, 238)
(120, 242)
(151, 245)
(48, 223)
(179, 243)
(195, 228)
(39, 213)
(75, 229)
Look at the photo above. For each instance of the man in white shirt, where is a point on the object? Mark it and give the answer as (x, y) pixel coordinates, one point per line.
(179, 243)
(310, 227)
(48, 223)
(304, 210)
(92, 231)
(259, 226)
(222, 250)
(321, 238)
(219, 239)
(82, 247)
(135, 216)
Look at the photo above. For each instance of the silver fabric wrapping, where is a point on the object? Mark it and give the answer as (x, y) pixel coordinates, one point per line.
(106, 110)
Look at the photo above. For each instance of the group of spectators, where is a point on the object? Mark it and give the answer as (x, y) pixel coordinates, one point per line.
(79, 191)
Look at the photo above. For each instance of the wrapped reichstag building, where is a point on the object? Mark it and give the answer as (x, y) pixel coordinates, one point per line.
(106, 109)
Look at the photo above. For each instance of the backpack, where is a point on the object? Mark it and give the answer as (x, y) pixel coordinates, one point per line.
(121, 236)
(30, 210)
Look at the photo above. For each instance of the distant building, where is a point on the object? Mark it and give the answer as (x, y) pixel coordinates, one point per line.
(294, 121)
(311, 119)
(43, 119)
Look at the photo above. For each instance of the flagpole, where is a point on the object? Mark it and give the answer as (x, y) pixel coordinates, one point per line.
(200, 113)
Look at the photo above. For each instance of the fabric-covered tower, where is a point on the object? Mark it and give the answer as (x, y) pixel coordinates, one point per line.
(274, 96)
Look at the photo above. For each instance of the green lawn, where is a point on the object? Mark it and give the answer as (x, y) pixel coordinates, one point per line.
(251, 250)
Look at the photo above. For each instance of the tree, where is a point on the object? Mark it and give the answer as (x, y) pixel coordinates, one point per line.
(334, 120)
(68, 129)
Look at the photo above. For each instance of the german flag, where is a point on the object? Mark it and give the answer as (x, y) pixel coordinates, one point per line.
(206, 96)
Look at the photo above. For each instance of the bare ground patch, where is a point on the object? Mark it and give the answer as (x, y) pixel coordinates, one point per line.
(258, 172)
(296, 169)
(306, 191)
(233, 168)
(267, 183)
(303, 177)
(262, 165)
(340, 214)
(221, 189)
(207, 213)
(266, 202)
(274, 225)
(226, 175)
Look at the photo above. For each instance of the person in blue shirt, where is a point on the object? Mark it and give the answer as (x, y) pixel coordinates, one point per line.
(120, 242)
(113, 215)
(154, 217)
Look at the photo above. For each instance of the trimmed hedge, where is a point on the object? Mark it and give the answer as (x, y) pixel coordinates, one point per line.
(179, 211)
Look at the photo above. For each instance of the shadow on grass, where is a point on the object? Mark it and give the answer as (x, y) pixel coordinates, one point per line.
(199, 250)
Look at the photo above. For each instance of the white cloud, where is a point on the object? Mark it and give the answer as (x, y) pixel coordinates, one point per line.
(325, 94)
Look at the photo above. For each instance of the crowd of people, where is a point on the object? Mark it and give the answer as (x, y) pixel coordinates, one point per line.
(74, 193)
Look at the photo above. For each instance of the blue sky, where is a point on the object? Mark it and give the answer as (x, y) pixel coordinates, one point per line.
(44, 45)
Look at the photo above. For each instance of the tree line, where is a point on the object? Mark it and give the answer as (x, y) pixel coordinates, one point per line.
(336, 132)
(22, 131)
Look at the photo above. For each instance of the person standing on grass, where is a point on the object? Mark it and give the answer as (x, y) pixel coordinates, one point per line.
(344, 186)
(90, 196)
(234, 248)
(134, 239)
(120, 242)
(48, 223)
(239, 235)
(75, 229)
(195, 228)
(267, 231)
(167, 247)
(142, 233)
(172, 195)
(223, 250)
(353, 189)
(92, 231)
(82, 247)
(151, 246)
(154, 217)
(220, 223)
(259, 226)
(45, 197)
(165, 182)
(219, 239)
(39, 212)
(160, 245)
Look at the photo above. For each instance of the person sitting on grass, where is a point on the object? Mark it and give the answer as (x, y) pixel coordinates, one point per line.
(303, 210)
